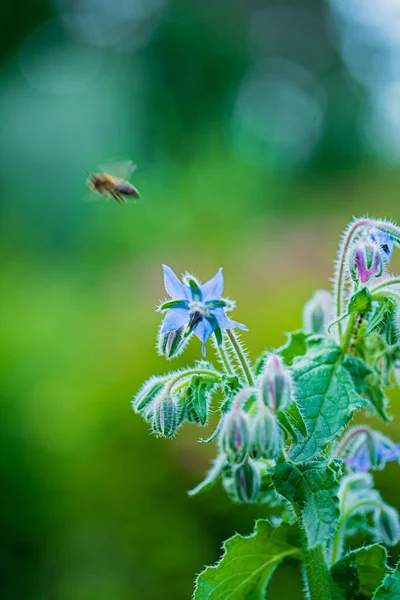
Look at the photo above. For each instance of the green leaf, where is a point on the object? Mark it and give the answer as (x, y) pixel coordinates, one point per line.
(325, 394)
(390, 586)
(358, 574)
(292, 421)
(246, 567)
(367, 383)
(313, 487)
(296, 345)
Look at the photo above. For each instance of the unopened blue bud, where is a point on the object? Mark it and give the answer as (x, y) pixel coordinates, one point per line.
(317, 313)
(235, 435)
(276, 384)
(167, 416)
(247, 482)
(387, 526)
(365, 260)
(173, 343)
(266, 437)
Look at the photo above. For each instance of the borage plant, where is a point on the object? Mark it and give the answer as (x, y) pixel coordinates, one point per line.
(282, 436)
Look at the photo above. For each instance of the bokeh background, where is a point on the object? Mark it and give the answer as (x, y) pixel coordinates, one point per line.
(260, 128)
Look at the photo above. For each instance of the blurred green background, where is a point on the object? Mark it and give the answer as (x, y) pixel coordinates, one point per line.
(260, 128)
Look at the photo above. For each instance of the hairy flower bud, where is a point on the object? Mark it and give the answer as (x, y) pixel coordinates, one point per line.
(317, 313)
(247, 482)
(365, 260)
(235, 435)
(197, 400)
(276, 384)
(141, 403)
(266, 437)
(173, 343)
(166, 416)
(387, 526)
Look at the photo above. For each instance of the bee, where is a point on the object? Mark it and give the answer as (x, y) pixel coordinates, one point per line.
(113, 186)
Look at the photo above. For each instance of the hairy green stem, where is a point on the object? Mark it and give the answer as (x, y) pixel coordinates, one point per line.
(223, 357)
(316, 574)
(385, 284)
(212, 375)
(241, 357)
(339, 283)
(339, 535)
(345, 440)
(349, 332)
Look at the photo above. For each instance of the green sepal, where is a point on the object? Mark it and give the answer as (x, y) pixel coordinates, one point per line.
(248, 562)
(360, 302)
(197, 399)
(313, 487)
(358, 574)
(171, 304)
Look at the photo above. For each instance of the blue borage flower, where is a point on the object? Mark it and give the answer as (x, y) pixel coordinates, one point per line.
(371, 451)
(198, 306)
(384, 240)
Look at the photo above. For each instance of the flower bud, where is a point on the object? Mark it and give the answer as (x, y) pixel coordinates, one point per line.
(173, 343)
(365, 260)
(384, 241)
(369, 450)
(235, 435)
(317, 313)
(198, 400)
(266, 437)
(141, 403)
(387, 526)
(247, 482)
(276, 384)
(166, 416)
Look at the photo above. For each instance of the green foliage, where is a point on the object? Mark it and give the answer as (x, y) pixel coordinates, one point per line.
(248, 563)
(359, 573)
(296, 345)
(326, 396)
(390, 587)
(313, 487)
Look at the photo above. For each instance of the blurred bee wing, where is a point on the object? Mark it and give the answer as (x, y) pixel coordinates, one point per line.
(119, 169)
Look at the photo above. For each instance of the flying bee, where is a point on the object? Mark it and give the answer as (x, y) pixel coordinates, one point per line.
(110, 185)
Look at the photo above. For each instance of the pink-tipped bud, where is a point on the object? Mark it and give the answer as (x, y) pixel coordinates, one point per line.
(266, 437)
(317, 313)
(365, 260)
(235, 435)
(247, 482)
(276, 384)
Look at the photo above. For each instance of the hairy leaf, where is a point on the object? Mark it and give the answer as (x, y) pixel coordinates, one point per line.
(246, 567)
(358, 574)
(390, 586)
(296, 345)
(313, 487)
(325, 394)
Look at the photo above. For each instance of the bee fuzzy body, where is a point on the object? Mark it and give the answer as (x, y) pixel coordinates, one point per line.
(112, 187)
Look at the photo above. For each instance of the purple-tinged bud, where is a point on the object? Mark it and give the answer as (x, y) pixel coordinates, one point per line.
(247, 482)
(365, 260)
(167, 416)
(317, 313)
(384, 241)
(276, 384)
(173, 343)
(235, 435)
(266, 437)
(387, 526)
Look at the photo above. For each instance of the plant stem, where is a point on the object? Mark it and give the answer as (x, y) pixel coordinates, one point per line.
(338, 537)
(349, 331)
(316, 574)
(345, 440)
(223, 357)
(211, 375)
(240, 355)
(341, 262)
(385, 284)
